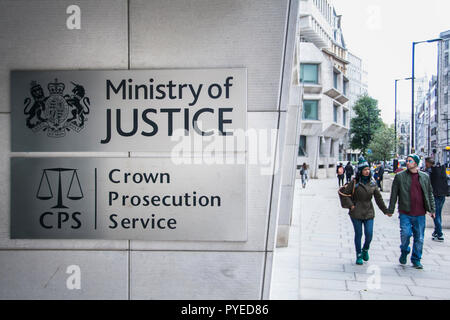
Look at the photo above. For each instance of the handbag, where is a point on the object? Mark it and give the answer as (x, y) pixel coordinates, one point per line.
(343, 196)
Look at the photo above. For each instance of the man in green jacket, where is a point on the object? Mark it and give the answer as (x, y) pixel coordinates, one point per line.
(413, 190)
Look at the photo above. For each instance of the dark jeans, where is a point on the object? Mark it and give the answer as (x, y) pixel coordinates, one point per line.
(368, 233)
(341, 180)
(349, 178)
(439, 201)
(379, 183)
(412, 226)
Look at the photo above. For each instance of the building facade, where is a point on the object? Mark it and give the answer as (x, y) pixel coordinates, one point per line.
(403, 134)
(323, 77)
(358, 86)
(443, 135)
(426, 119)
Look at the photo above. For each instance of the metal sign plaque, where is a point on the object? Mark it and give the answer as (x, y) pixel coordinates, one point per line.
(127, 110)
(128, 199)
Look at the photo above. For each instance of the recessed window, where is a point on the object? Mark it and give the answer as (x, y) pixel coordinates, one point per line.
(302, 147)
(335, 113)
(322, 151)
(344, 117)
(336, 80)
(345, 87)
(309, 73)
(310, 110)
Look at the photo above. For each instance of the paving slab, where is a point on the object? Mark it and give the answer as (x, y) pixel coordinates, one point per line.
(317, 294)
(389, 297)
(323, 267)
(386, 279)
(430, 292)
(330, 275)
(323, 283)
(382, 288)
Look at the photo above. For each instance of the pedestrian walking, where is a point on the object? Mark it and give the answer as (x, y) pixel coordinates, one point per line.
(349, 171)
(304, 174)
(379, 171)
(412, 188)
(340, 174)
(438, 179)
(359, 200)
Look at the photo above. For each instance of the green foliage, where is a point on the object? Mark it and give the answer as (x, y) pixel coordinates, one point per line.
(383, 144)
(366, 122)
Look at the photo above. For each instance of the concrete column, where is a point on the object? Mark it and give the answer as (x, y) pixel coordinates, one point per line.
(288, 180)
(140, 34)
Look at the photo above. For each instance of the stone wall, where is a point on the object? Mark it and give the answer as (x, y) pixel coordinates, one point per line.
(139, 34)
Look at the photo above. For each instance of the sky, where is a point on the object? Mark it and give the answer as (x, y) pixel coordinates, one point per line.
(381, 32)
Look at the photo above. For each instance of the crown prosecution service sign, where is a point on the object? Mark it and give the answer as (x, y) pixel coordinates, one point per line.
(127, 198)
(126, 110)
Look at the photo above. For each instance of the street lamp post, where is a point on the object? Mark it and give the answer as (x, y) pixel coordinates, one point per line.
(412, 139)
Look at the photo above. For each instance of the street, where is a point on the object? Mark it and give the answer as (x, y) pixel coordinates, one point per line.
(325, 255)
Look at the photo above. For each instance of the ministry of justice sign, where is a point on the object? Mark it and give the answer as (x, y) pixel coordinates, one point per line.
(126, 110)
(127, 198)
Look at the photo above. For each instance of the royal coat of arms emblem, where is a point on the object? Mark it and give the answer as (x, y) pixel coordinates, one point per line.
(56, 113)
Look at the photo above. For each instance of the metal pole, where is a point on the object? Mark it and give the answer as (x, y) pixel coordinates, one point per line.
(412, 99)
(395, 119)
(429, 124)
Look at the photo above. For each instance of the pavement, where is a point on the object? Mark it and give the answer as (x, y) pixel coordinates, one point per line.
(319, 262)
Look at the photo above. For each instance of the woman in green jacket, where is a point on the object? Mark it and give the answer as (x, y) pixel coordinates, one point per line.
(362, 212)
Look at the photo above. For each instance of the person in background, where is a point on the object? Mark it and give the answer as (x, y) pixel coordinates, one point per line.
(304, 174)
(438, 178)
(412, 188)
(362, 212)
(349, 171)
(379, 171)
(340, 174)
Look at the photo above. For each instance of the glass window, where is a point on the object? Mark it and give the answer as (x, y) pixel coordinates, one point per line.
(309, 73)
(446, 60)
(345, 87)
(446, 98)
(344, 117)
(302, 147)
(336, 80)
(321, 147)
(335, 114)
(310, 110)
(446, 45)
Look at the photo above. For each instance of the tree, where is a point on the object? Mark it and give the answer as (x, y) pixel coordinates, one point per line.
(366, 122)
(383, 144)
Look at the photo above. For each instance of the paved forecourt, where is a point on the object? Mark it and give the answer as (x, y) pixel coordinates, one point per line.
(327, 254)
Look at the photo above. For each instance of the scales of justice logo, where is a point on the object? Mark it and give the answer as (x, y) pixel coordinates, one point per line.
(56, 113)
(74, 191)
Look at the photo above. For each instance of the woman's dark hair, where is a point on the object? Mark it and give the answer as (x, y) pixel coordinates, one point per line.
(305, 166)
(359, 174)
